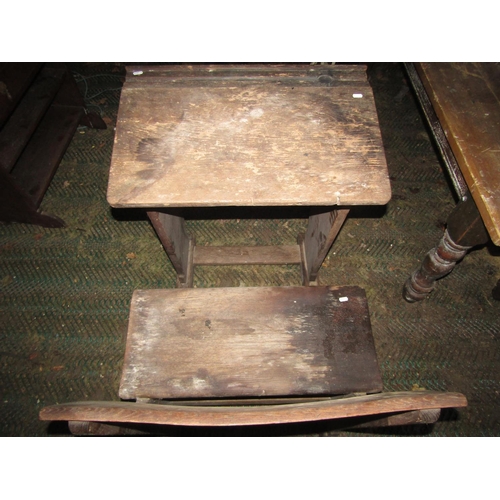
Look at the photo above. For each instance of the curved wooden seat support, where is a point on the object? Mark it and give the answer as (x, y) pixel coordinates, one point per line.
(386, 404)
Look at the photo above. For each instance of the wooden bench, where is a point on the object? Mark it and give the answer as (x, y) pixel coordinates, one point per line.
(250, 356)
(461, 104)
(40, 110)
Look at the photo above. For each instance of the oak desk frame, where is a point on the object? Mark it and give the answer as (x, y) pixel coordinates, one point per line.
(247, 136)
(236, 136)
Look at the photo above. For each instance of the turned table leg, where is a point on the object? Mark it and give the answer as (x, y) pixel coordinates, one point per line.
(465, 230)
(171, 231)
(322, 229)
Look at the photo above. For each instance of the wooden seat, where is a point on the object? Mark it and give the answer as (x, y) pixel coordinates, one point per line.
(249, 342)
(247, 356)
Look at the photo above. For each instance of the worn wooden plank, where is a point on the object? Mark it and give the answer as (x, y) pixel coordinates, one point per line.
(466, 98)
(235, 342)
(373, 404)
(222, 256)
(253, 145)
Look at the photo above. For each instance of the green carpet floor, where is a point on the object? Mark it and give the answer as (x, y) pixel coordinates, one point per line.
(65, 293)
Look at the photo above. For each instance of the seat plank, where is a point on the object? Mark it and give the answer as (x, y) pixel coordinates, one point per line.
(249, 342)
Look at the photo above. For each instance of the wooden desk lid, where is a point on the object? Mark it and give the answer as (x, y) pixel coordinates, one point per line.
(249, 342)
(466, 98)
(247, 135)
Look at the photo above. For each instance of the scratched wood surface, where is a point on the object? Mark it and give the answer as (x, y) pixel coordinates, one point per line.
(235, 342)
(246, 135)
(372, 404)
(466, 98)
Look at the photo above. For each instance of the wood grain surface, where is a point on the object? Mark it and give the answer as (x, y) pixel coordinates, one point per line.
(373, 404)
(466, 98)
(240, 136)
(244, 342)
(322, 229)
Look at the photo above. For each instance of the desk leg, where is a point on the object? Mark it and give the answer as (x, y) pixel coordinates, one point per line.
(171, 231)
(321, 232)
(465, 230)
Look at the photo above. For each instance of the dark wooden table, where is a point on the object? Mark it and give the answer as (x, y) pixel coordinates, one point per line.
(462, 104)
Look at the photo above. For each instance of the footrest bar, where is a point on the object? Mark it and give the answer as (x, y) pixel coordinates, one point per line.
(238, 255)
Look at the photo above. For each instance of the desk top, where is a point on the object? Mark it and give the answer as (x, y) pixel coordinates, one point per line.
(466, 98)
(248, 135)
